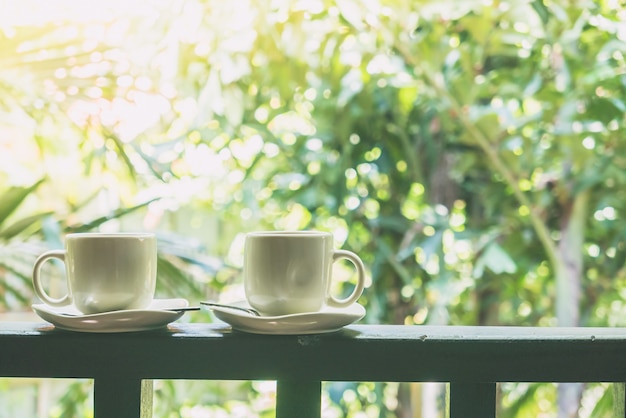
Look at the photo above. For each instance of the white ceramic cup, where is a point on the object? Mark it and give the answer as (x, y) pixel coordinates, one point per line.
(105, 272)
(290, 272)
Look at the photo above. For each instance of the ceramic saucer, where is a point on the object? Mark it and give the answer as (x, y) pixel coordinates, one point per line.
(154, 316)
(327, 320)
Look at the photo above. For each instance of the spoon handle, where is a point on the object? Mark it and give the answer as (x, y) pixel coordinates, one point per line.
(250, 311)
(183, 309)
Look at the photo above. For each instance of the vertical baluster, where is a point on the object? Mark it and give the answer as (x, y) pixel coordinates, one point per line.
(472, 400)
(297, 398)
(122, 398)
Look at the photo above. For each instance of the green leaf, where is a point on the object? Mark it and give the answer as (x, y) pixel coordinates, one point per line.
(392, 259)
(118, 213)
(173, 280)
(605, 109)
(121, 152)
(12, 198)
(21, 225)
(432, 245)
(479, 26)
(489, 125)
(8, 288)
(542, 10)
(496, 259)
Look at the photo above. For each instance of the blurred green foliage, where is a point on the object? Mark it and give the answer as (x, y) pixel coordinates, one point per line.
(471, 152)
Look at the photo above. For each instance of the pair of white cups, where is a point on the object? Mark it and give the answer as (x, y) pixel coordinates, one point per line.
(284, 272)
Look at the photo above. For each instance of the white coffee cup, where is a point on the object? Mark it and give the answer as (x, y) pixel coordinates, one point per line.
(105, 272)
(290, 272)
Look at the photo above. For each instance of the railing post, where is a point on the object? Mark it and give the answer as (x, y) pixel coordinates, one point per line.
(297, 398)
(122, 398)
(472, 400)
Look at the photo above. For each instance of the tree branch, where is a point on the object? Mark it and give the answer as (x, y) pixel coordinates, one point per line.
(541, 229)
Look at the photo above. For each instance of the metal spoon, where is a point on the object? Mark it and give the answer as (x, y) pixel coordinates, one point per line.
(250, 311)
(181, 309)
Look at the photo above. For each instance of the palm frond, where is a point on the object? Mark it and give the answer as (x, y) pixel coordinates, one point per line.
(12, 198)
(117, 213)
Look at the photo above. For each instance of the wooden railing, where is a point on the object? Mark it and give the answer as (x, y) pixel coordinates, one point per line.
(472, 359)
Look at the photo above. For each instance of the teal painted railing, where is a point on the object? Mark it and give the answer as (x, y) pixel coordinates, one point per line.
(472, 359)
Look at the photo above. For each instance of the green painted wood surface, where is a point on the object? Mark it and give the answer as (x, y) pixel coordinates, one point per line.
(298, 398)
(472, 400)
(122, 398)
(471, 358)
(357, 353)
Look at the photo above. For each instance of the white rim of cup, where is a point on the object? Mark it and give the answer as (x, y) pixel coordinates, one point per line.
(110, 235)
(288, 233)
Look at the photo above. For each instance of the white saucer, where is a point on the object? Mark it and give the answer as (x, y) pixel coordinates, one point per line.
(154, 316)
(327, 320)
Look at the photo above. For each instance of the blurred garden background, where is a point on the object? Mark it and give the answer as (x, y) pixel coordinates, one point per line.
(473, 153)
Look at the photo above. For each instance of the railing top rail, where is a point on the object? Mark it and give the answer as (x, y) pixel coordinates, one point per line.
(356, 353)
(355, 332)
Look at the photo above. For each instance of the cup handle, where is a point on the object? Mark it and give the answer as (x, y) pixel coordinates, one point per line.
(360, 285)
(39, 290)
